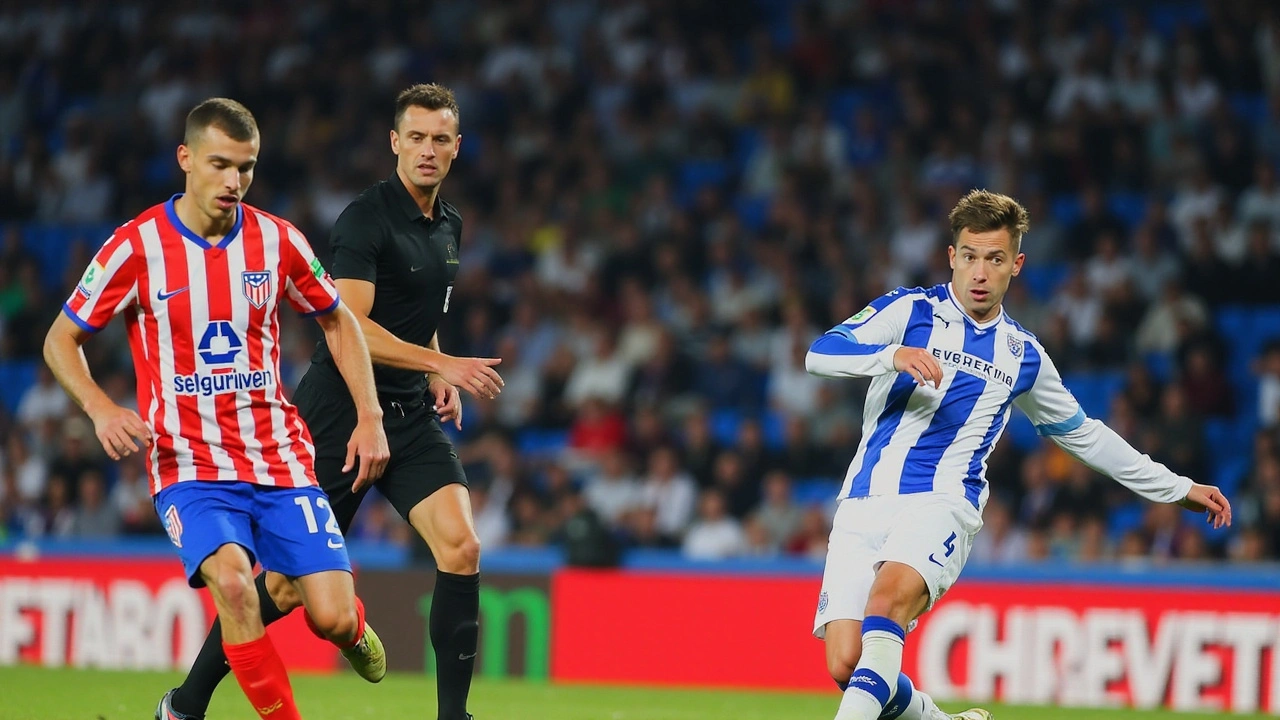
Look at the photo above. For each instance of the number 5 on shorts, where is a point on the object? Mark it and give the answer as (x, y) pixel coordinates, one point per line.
(949, 544)
(330, 525)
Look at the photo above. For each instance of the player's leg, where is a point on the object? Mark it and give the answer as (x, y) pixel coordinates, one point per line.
(301, 540)
(211, 523)
(920, 559)
(428, 488)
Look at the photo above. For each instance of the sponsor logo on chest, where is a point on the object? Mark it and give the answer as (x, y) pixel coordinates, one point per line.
(973, 365)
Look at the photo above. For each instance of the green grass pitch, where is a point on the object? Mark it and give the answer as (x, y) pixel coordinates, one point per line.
(28, 693)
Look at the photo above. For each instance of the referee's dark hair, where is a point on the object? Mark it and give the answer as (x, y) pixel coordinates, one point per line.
(224, 114)
(431, 96)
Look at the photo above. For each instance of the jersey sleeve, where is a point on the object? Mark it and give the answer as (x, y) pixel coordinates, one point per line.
(108, 286)
(1056, 415)
(863, 345)
(309, 288)
(356, 241)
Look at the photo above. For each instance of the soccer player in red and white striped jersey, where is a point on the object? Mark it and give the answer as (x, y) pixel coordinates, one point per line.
(200, 280)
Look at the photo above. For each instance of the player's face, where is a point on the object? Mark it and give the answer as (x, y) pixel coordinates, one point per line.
(982, 264)
(219, 171)
(425, 143)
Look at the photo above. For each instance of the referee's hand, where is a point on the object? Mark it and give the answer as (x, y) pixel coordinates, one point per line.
(474, 375)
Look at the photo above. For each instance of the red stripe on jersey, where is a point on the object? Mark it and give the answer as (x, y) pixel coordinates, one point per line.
(181, 332)
(226, 412)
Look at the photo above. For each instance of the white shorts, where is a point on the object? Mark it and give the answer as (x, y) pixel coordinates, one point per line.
(930, 532)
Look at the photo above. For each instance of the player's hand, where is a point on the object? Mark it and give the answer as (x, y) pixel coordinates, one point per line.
(448, 403)
(1210, 500)
(475, 375)
(369, 442)
(919, 364)
(120, 430)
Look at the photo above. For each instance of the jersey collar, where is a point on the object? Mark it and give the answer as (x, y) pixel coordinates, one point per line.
(968, 318)
(171, 210)
(408, 204)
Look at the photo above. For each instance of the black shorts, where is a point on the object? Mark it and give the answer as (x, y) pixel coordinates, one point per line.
(422, 456)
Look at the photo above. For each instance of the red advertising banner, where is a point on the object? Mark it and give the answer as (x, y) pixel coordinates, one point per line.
(1093, 646)
(120, 614)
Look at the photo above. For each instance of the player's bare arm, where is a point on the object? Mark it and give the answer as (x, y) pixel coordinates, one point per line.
(475, 375)
(120, 430)
(368, 441)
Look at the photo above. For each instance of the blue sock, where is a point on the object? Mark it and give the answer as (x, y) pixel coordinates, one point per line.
(901, 699)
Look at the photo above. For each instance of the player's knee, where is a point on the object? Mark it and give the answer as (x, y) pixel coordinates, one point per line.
(841, 669)
(237, 592)
(283, 593)
(335, 623)
(462, 556)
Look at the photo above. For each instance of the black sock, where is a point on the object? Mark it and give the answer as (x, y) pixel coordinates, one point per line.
(455, 611)
(193, 697)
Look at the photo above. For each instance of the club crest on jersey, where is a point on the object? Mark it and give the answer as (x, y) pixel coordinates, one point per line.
(257, 287)
(173, 525)
(822, 602)
(1015, 346)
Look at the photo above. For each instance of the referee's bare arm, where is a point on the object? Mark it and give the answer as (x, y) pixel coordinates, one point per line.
(474, 375)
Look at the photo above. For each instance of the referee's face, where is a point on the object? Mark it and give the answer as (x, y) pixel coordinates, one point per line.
(425, 144)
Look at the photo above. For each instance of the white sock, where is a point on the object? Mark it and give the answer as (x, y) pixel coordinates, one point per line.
(908, 703)
(869, 688)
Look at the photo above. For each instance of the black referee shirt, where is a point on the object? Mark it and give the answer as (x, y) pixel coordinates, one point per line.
(382, 237)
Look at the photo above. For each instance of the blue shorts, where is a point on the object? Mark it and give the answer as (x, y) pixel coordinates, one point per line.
(291, 531)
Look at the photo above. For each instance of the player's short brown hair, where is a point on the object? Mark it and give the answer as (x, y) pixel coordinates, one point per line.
(431, 96)
(984, 211)
(224, 114)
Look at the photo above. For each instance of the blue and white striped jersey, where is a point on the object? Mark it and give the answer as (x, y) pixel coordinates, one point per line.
(920, 439)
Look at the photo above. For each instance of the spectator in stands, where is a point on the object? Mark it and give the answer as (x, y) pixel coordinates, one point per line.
(1158, 265)
(131, 498)
(669, 491)
(1001, 541)
(1260, 202)
(715, 535)
(612, 491)
(724, 381)
(1161, 328)
(55, 515)
(777, 515)
(1268, 371)
(733, 479)
(492, 523)
(42, 401)
(95, 517)
(1205, 388)
(1256, 279)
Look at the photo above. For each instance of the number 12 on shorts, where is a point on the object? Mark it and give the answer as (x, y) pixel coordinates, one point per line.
(949, 544)
(330, 525)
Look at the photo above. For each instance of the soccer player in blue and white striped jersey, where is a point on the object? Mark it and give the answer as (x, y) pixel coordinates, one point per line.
(946, 364)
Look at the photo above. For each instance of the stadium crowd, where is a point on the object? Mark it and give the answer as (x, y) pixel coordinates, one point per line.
(666, 203)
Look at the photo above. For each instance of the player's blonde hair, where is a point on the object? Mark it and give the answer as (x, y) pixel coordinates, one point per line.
(984, 211)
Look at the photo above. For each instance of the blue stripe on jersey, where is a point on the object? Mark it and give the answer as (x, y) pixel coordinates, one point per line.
(840, 341)
(1027, 374)
(919, 329)
(1029, 371)
(1064, 427)
(921, 464)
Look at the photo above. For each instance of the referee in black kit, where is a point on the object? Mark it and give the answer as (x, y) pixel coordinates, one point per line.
(395, 257)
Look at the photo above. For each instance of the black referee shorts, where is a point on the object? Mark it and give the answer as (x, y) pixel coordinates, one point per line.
(422, 456)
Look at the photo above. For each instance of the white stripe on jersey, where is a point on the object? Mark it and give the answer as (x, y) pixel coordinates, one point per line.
(210, 423)
(272, 252)
(887, 474)
(159, 279)
(237, 264)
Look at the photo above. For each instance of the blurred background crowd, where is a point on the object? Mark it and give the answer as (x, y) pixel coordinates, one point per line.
(665, 203)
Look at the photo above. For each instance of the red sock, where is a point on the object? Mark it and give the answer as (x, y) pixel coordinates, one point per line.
(311, 625)
(261, 674)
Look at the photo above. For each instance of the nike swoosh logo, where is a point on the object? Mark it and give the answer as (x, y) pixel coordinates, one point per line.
(161, 295)
(416, 269)
(934, 561)
(334, 544)
(466, 657)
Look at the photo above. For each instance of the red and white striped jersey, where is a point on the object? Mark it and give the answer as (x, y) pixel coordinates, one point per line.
(203, 328)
